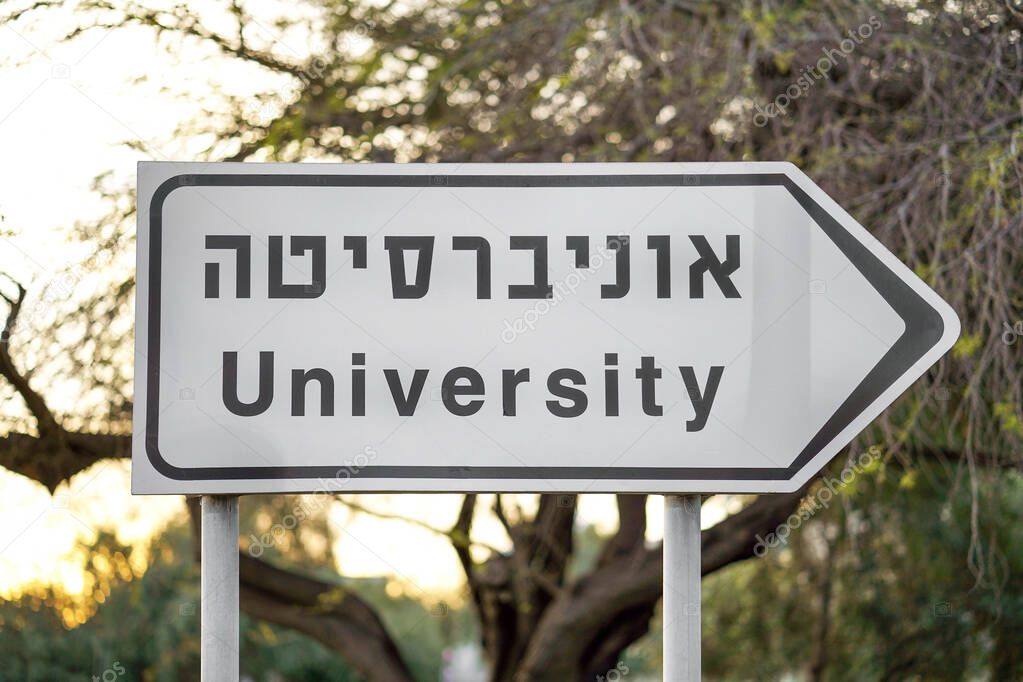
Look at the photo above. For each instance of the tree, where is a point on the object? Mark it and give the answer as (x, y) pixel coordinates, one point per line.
(906, 114)
(147, 627)
(874, 588)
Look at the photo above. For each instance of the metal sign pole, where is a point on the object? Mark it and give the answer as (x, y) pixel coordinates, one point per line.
(681, 605)
(219, 627)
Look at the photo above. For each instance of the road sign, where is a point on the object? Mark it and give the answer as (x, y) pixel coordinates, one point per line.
(561, 327)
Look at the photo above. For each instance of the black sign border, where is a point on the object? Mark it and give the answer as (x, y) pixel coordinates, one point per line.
(924, 327)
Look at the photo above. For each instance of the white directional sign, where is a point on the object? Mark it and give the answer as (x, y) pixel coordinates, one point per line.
(562, 327)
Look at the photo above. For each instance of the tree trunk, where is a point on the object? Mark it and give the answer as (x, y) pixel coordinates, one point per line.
(820, 651)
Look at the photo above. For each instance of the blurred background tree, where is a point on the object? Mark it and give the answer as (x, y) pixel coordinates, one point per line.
(909, 572)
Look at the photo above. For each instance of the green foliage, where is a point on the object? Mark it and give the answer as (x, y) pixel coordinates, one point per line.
(902, 606)
(147, 630)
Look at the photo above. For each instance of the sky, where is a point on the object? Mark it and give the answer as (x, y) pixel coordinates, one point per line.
(66, 114)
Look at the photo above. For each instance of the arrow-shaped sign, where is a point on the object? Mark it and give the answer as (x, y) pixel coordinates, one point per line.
(564, 327)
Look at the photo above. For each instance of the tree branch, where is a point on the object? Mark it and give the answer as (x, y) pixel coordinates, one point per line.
(624, 590)
(326, 611)
(45, 421)
(329, 612)
(631, 529)
(419, 523)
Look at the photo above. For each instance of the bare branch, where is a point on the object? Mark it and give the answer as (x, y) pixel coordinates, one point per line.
(450, 534)
(46, 423)
(326, 611)
(461, 533)
(631, 528)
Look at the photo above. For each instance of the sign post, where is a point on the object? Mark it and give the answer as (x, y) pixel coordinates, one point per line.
(545, 328)
(681, 601)
(219, 597)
